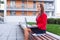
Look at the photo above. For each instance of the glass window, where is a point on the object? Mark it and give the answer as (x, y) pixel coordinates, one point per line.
(1, 2)
(12, 4)
(12, 13)
(52, 13)
(22, 3)
(47, 12)
(23, 13)
(1, 16)
(34, 5)
(34, 13)
(1, 13)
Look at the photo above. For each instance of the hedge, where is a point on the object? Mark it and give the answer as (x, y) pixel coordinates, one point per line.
(49, 21)
(57, 21)
(53, 21)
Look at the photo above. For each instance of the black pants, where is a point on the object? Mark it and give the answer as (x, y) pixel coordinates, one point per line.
(37, 31)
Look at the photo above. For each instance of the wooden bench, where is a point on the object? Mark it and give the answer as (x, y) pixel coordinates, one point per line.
(42, 37)
(45, 36)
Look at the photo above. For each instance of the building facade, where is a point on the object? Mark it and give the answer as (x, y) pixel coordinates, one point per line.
(17, 10)
(1, 11)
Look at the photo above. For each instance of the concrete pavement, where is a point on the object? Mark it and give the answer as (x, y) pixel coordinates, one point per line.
(10, 31)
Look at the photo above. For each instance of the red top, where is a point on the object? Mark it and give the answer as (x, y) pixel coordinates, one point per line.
(41, 21)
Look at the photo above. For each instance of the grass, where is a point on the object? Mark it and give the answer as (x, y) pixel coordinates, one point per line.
(31, 23)
(53, 28)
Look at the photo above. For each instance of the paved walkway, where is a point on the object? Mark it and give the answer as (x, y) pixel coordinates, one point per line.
(10, 31)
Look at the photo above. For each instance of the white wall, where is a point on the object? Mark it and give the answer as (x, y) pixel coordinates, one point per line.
(57, 7)
(57, 4)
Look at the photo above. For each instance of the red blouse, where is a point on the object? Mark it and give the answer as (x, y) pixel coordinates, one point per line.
(41, 21)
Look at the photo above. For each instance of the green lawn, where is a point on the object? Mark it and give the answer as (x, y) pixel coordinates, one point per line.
(53, 28)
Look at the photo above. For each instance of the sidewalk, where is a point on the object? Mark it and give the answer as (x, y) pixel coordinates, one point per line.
(10, 31)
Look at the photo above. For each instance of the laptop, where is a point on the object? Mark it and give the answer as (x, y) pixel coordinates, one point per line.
(29, 26)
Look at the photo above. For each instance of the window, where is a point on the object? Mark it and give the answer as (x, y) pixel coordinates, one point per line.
(12, 4)
(12, 13)
(34, 5)
(1, 2)
(2, 13)
(34, 13)
(47, 12)
(23, 4)
(1, 16)
(52, 13)
(23, 13)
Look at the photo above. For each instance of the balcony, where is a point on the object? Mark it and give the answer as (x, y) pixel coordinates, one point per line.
(40, 0)
(49, 8)
(21, 9)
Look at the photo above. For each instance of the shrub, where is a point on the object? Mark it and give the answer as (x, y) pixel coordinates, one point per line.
(57, 21)
(51, 21)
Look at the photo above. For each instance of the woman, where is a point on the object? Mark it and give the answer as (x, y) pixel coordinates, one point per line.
(41, 22)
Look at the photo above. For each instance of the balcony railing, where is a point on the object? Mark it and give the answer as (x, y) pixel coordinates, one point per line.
(29, 9)
(40, 0)
(21, 8)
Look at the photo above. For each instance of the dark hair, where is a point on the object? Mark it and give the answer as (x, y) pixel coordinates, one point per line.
(42, 8)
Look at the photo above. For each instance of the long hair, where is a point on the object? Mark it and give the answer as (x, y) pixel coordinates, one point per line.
(42, 8)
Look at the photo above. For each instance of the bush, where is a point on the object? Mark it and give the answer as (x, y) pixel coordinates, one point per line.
(57, 21)
(51, 21)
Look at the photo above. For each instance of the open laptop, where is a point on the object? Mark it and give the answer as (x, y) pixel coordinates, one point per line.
(29, 26)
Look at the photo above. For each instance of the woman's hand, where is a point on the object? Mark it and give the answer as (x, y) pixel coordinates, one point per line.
(29, 30)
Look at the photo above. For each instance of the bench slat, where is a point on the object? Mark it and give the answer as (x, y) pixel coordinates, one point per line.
(41, 37)
(52, 37)
(44, 37)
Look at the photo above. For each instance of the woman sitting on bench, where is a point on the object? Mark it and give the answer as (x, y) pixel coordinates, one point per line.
(41, 22)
